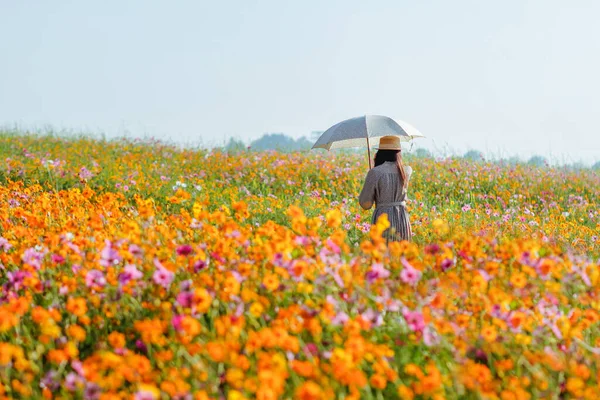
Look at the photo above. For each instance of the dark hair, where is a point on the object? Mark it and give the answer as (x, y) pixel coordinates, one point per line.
(394, 156)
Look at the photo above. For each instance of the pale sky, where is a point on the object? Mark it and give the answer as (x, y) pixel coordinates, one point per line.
(508, 77)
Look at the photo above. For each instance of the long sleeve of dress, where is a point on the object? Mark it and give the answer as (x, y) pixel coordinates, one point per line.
(366, 199)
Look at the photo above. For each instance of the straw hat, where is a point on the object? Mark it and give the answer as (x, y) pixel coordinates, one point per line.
(389, 143)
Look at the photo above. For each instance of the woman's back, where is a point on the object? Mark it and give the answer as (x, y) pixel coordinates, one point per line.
(384, 185)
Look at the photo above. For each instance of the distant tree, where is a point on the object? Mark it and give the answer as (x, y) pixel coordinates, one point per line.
(537, 161)
(422, 153)
(512, 161)
(596, 166)
(303, 144)
(473, 155)
(280, 142)
(234, 146)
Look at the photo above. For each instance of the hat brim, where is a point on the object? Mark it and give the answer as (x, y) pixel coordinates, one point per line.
(387, 148)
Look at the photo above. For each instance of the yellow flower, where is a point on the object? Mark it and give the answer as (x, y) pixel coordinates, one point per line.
(256, 309)
(334, 218)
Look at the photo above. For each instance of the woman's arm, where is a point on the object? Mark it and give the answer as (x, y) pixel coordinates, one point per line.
(367, 195)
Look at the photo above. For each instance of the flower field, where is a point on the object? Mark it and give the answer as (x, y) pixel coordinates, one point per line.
(138, 270)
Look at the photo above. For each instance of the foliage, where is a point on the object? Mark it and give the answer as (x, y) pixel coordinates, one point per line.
(280, 142)
(133, 269)
(537, 161)
(474, 155)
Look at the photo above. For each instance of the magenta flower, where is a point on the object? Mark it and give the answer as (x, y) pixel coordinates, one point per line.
(184, 299)
(447, 264)
(176, 321)
(184, 250)
(162, 276)
(16, 278)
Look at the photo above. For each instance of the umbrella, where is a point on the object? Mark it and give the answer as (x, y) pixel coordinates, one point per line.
(356, 132)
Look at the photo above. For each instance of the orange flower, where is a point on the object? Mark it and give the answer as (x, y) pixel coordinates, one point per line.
(116, 340)
(489, 333)
(271, 282)
(405, 393)
(202, 299)
(216, 351)
(303, 368)
(378, 381)
(57, 356)
(76, 306)
(518, 280)
(309, 391)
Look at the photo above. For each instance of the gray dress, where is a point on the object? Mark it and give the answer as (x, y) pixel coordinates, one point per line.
(384, 188)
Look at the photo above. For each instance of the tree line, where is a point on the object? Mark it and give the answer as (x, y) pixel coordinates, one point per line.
(284, 143)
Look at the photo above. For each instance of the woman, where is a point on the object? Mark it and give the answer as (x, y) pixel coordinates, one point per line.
(386, 186)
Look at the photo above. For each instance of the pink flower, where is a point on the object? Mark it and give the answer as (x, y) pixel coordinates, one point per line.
(4, 244)
(144, 395)
(85, 174)
(162, 276)
(129, 272)
(430, 337)
(485, 275)
(337, 278)
(409, 274)
(414, 319)
(377, 271)
(33, 257)
(95, 278)
(109, 256)
(334, 247)
(184, 299)
(302, 240)
(176, 321)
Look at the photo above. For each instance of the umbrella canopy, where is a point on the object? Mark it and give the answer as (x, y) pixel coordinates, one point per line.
(365, 131)
(357, 132)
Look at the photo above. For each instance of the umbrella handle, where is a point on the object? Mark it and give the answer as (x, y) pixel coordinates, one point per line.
(369, 151)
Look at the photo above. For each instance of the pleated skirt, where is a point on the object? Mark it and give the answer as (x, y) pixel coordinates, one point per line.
(399, 223)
